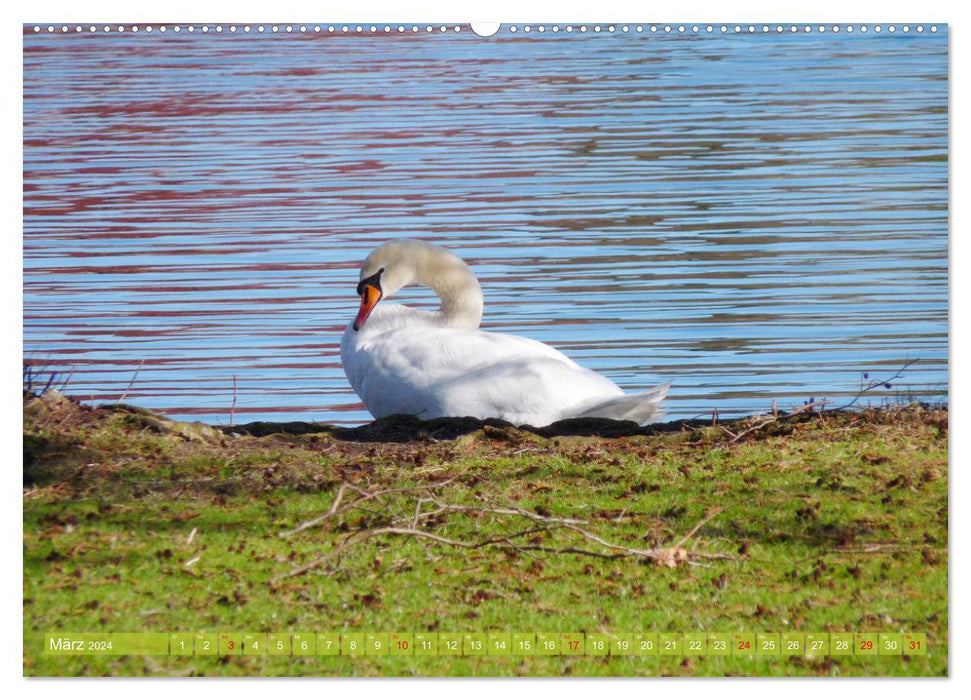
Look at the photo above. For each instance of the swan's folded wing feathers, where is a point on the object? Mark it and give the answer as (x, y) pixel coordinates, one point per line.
(531, 390)
(643, 407)
(434, 372)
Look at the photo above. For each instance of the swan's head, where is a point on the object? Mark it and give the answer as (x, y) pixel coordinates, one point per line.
(385, 271)
(397, 264)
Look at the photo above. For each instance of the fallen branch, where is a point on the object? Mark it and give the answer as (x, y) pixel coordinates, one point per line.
(775, 419)
(365, 496)
(419, 515)
(320, 561)
(813, 404)
(316, 521)
(701, 523)
(411, 526)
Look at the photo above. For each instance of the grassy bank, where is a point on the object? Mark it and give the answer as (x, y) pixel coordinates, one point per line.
(814, 522)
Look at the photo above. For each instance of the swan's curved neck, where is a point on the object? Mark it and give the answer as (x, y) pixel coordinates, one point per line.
(456, 287)
(397, 264)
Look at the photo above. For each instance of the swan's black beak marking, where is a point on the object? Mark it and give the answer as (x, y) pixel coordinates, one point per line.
(370, 291)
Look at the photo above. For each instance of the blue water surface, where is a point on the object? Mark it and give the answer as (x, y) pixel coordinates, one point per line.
(758, 218)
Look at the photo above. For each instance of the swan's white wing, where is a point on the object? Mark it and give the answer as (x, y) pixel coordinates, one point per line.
(432, 372)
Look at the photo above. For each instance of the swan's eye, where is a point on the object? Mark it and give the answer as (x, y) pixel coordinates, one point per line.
(374, 280)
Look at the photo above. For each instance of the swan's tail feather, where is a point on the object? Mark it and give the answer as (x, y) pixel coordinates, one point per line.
(641, 408)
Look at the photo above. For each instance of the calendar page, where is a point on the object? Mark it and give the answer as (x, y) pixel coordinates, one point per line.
(521, 349)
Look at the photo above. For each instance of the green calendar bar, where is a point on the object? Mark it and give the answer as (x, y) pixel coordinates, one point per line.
(669, 644)
(524, 643)
(303, 643)
(841, 644)
(254, 644)
(181, 644)
(547, 644)
(377, 644)
(474, 644)
(352, 644)
(571, 644)
(230, 644)
(426, 644)
(329, 643)
(499, 644)
(891, 645)
(107, 644)
(694, 644)
(743, 644)
(205, 644)
(793, 643)
(817, 643)
(621, 644)
(597, 644)
(866, 644)
(915, 644)
(719, 644)
(449, 644)
(278, 644)
(766, 645)
(402, 644)
(645, 644)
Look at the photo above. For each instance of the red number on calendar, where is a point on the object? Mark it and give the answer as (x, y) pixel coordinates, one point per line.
(914, 644)
(403, 644)
(574, 645)
(232, 644)
(744, 645)
(866, 645)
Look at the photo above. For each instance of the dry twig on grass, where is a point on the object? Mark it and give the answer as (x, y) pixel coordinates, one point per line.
(735, 437)
(812, 404)
(419, 522)
(138, 369)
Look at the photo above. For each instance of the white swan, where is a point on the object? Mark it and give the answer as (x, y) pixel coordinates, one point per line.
(434, 364)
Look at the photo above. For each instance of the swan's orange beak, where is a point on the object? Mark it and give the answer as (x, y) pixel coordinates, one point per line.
(370, 296)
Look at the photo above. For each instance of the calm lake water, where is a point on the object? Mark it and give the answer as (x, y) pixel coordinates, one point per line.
(758, 218)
